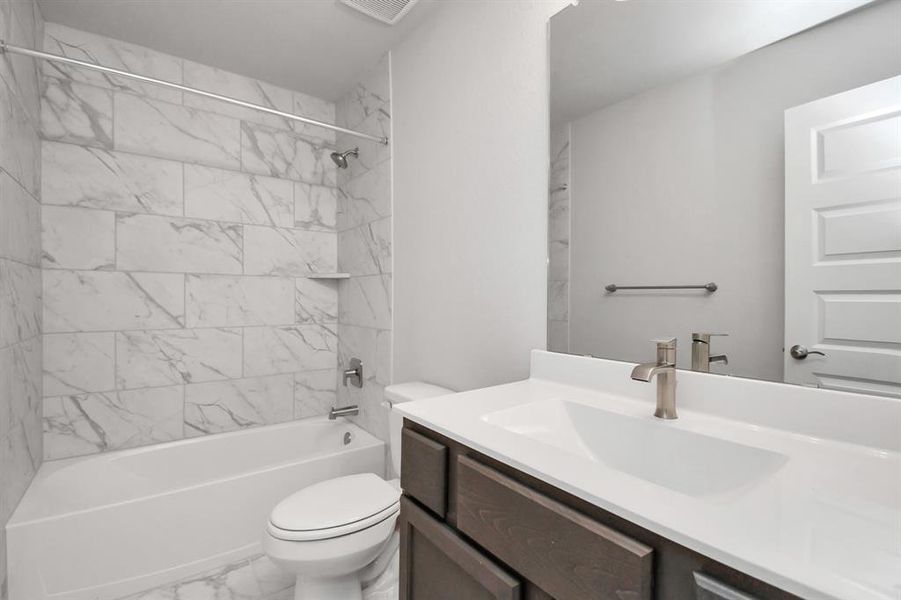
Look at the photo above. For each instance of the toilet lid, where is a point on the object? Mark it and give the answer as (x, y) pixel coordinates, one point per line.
(347, 503)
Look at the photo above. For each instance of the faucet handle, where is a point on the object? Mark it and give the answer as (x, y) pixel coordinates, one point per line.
(666, 351)
(354, 373)
(705, 337)
(665, 343)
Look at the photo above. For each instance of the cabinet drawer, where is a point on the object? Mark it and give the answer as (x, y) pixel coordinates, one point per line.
(437, 564)
(708, 588)
(423, 471)
(566, 553)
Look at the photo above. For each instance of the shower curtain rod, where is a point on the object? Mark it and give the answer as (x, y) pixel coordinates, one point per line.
(4, 48)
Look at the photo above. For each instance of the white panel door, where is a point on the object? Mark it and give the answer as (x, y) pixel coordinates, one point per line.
(843, 240)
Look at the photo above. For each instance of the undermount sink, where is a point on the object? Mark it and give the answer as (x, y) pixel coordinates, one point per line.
(656, 451)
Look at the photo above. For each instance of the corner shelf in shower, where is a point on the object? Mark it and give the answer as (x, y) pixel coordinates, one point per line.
(328, 276)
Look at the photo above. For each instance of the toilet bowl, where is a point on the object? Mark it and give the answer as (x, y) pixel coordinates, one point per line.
(328, 533)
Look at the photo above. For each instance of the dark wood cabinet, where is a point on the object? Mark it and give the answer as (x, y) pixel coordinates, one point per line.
(423, 471)
(569, 554)
(474, 528)
(438, 564)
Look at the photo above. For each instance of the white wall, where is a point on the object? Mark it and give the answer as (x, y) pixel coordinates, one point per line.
(470, 137)
(684, 184)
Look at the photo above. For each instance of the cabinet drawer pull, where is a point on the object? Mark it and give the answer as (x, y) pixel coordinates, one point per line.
(707, 588)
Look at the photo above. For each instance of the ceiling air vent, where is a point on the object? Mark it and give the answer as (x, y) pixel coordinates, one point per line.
(386, 11)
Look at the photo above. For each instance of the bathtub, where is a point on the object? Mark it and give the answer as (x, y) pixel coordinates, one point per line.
(103, 527)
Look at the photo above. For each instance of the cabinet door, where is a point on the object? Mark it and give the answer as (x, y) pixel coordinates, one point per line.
(437, 564)
(423, 471)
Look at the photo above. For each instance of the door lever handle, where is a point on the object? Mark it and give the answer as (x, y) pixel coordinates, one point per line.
(801, 352)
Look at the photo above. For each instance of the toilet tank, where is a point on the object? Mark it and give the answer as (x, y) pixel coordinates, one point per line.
(405, 392)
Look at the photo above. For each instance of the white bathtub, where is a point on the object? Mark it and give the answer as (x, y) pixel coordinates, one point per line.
(102, 527)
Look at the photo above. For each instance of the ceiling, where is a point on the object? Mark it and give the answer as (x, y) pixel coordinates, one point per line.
(320, 47)
(604, 51)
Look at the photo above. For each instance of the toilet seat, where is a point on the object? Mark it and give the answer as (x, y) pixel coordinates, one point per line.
(334, 508)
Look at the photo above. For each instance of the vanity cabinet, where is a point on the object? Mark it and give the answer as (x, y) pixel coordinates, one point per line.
(570, 554)
(438, 563)
(473, 528)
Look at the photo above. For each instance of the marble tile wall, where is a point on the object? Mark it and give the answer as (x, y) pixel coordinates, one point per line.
(558, 242)
(364, 247)
(20, 259)
(177, 235)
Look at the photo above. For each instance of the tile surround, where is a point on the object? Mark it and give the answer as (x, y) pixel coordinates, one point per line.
(315, 392)
(155, 128)
(166, 244)
(288, 252)
(174, 241)
(217, 301)
(20, 262)
(77, 113)
(273, 350)
(222, 195)
(20, 295)
(283, 153)
(155, 358)
(558, 242)
(20, 217)
(173, 226)
(316, 301)
(315, 207)
(104, 300)
(221, 406)
(101, 421)
(177, 234)
(76, 363)
(95, 178)
(364, 248)
(77, 238)
(558, 301)
(365, 198)
(365, 301)
(229, 84)
(89, 47)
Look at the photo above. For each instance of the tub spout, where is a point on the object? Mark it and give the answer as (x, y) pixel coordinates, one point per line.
(344, 411)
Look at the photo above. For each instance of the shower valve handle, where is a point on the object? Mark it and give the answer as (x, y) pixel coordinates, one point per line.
(354, 373)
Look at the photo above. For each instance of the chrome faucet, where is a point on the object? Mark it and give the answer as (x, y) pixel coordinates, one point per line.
(700, 352)
(665, 370)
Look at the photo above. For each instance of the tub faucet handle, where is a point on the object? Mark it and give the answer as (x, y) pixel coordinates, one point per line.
(354, 374)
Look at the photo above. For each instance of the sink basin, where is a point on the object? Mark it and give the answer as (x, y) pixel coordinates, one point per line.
(648, 448)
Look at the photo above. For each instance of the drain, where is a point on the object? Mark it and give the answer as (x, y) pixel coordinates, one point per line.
(348, 438)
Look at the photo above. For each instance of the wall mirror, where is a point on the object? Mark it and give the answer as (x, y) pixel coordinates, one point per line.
(751, 145)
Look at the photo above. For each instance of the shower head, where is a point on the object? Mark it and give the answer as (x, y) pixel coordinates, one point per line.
(340, 158)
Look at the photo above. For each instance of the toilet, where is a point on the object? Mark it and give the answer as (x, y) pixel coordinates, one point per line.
(328, 533)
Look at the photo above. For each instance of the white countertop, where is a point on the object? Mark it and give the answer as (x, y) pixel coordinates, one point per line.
(825, 524)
